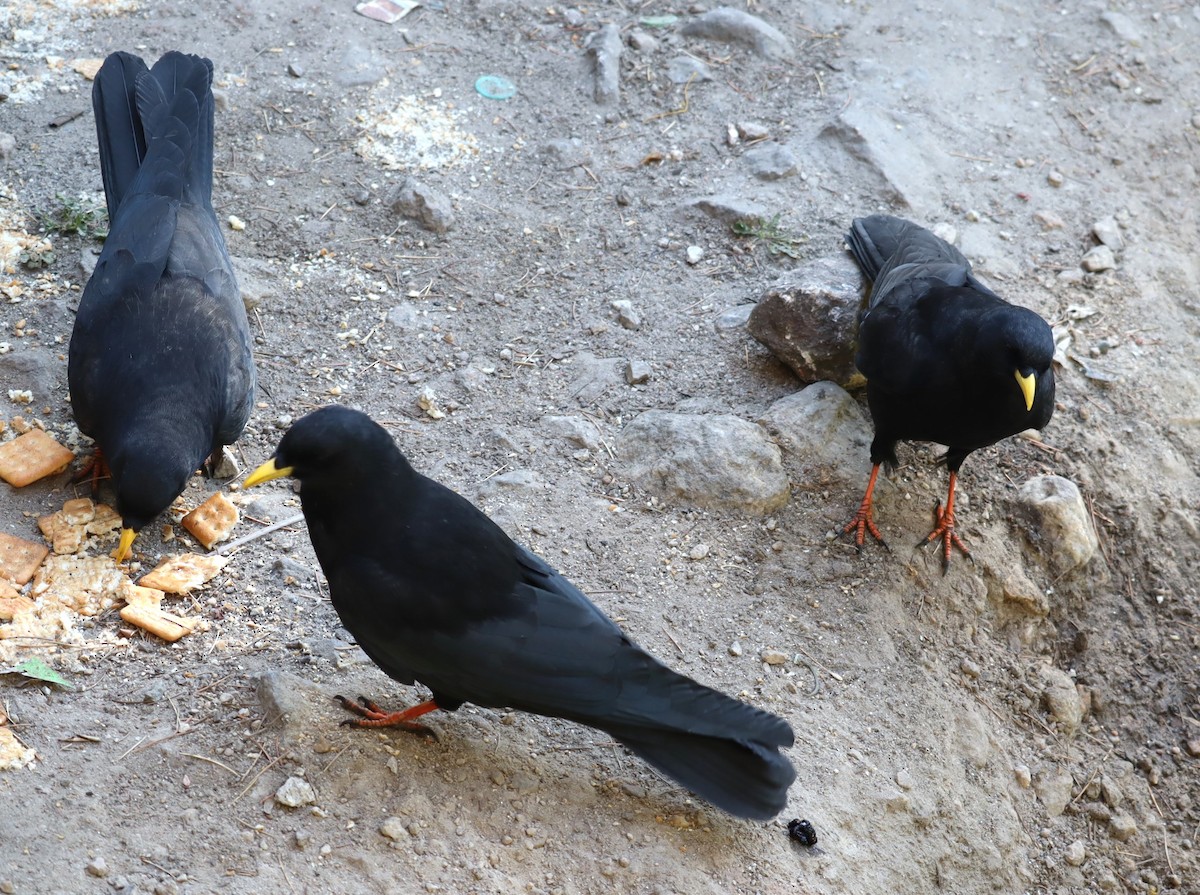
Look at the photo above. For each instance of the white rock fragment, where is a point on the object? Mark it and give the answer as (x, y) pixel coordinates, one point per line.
(1061, 528)
(428, 401)
(236, 223)
(1109, 233)
(393, 828)
(295, 792)
(1099, 259)
(1076, 853)
(695, 254)
(637, 372)
(626, 315)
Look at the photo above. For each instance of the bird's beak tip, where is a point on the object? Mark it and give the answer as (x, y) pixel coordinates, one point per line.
(123, 548)
(265, 473)
(1028, 385)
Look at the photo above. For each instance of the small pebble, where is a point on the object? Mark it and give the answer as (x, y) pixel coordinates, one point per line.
(774, 657)
(8, 887)
(637, 372)
(626, 315)
(1193, 747)
(1076, 853)
(905, 780)
(694, 254)
(1023, 776)
(698, 552)
(295, 70)
(294, 792)
(735, 649)
(1055, 178)
(97, 867)
(1122, 827)
(236, 223)
(393, 828)
(969, 668)
(1099, 259)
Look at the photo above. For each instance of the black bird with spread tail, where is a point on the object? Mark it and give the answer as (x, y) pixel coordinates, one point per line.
(436, 592)
(946, 359)
(160, 367)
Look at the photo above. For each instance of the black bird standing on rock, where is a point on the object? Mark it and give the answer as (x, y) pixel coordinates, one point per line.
(946, 359)
(436, 592)
(161, 370)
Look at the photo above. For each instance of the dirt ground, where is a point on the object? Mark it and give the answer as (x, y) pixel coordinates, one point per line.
(934, 751)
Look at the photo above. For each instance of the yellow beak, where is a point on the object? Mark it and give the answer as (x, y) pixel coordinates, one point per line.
(265, 473)
(122, 551)
(1027, 384)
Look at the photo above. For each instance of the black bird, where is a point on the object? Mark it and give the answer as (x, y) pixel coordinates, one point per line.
(946, 359)
(160, 369)
(436, 592)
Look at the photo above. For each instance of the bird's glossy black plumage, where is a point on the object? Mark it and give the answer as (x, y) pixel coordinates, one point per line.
(435, 592)
(160, 367)
(946, 359)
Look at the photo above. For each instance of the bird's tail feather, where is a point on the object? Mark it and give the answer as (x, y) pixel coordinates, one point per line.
(118, 126)
(745, 777)
(155, 127)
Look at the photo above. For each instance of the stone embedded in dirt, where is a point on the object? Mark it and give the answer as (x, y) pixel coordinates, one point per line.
(687, 69)
(1076, 853)
(1122, 827)
(404, 316)
(1054, 789)
(729, 25)
(627, 316)
(258, 280)
(729, 208)
(637, 372)
(1108, 231)
(287, 698)
(420, 202)
(359, 66)
(642, 41)
(822, 425)
(393, 828)
(570, 152)
(97, 867)
(773, 657)
(713, 461)
(1048, 220)
(605, 49)
(511, 481)
(575, 429)
(1122, 26)
(770, 161)
(8, 145)
(1098, 259)
(733, 318)
(809, 319)
(294, 792)
(694, 255)
(1060, 527)
(1061, 698)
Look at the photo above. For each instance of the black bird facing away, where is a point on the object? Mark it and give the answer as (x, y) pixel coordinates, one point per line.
(946, 359)
(160, 367)
(436, 592)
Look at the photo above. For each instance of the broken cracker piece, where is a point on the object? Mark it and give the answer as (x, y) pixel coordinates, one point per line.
(145, 597)
(19, 558)
(162, 624)
(86, 584)
(182, 574)
(11, 605)
(213, 521)
(32, 456)
(104, 520)
(80, 511)
(14, 754)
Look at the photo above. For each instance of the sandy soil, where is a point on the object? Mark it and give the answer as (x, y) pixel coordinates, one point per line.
(935, 749)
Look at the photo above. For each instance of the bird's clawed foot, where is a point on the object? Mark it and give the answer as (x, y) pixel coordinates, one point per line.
(861, 524)
(95, 470)
(371, 715)
(943, 528)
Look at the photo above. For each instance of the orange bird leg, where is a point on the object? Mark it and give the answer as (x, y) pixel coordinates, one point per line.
(373, 716)
(944, 527)
(863, 520)
(95, 469)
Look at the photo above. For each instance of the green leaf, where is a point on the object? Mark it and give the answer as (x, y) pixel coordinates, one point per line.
(38, 670)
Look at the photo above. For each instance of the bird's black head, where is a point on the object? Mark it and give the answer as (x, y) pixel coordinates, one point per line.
(146, 481)
(333, 446)
(1018, 347)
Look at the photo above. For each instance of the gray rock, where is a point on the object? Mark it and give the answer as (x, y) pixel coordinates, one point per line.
(683, 69)
(1076, 853)
(420, 202)
(1109, 233)
(770, 161)
(637, 372)
(88, 256)
(8, 145)
(642, 41)
(717, 461)
(627, 315)
(404, 317)
(294, 792)
(565, 153)
(605, 49)
(97, 867)
(1098, 259)
(1061, 698)
(1122, 827)
(35, 369)
(509, 482)
(733, 318)
(359, 67)
(257, 280)
(288, 697)
(1059, 528)
(809, 319)
(1054, 789)
(1123, 26)
(730, 25)
(393, 828)
(729, 208)
(575, 429)
(821, 424)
